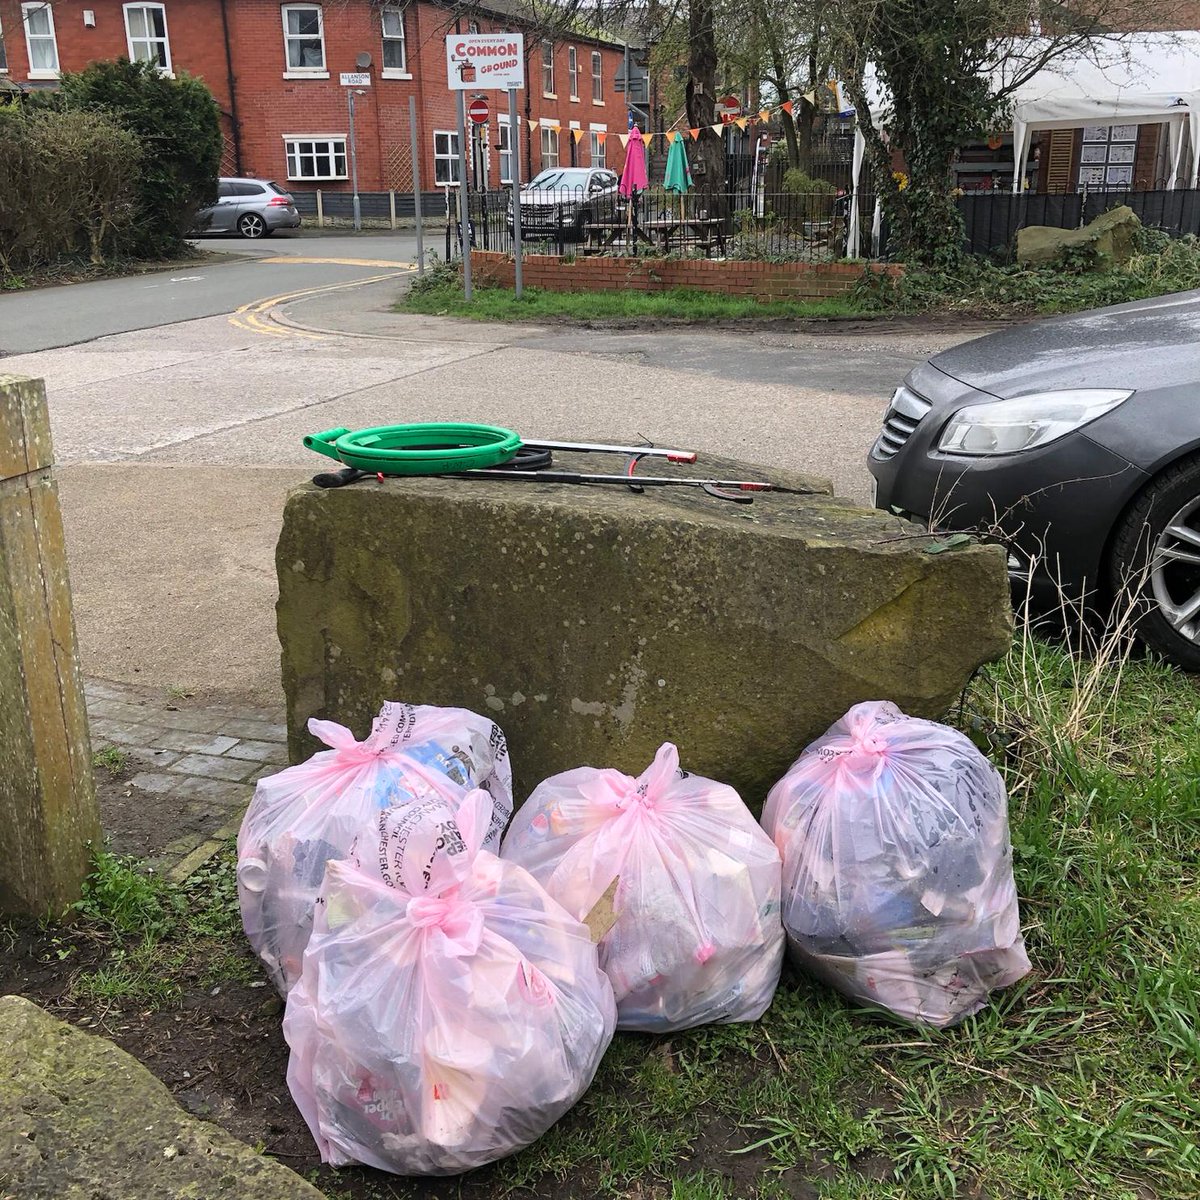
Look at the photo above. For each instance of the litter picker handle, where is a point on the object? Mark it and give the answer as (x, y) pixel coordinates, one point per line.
(681, 456)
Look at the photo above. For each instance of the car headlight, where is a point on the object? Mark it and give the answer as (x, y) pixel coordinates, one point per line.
(1009, 426)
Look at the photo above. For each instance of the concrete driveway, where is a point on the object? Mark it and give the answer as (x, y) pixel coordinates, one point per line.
(179, 442)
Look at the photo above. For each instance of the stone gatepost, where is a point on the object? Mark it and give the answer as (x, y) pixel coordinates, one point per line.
(48, 816)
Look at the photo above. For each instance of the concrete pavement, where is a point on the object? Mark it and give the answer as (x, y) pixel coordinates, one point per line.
(179, 446)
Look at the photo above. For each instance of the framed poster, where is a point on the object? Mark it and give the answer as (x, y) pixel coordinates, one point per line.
(1094, 154)
(1124, 133)
(1095, 133)
(1091, 176)
(1122, 154)
(1119, 176)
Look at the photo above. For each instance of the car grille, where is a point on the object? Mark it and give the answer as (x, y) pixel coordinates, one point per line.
(902, 417)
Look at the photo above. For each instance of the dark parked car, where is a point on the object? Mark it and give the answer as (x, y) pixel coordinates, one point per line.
(252, 207)
(566, 198)
(1078, 439)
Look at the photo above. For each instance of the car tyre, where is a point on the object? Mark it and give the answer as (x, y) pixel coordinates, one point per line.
(251, 225)
(1155, 548)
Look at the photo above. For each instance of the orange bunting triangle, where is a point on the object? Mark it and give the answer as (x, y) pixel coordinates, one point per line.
(671, 135)
(647, 138)
(764, 115)
(601, 136)
(741, 122)
(695, 134)
(787, 107)
(577, 134)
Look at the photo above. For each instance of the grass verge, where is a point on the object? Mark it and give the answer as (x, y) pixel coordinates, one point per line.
(441, 294)
(156, 932)
(1081, 1082)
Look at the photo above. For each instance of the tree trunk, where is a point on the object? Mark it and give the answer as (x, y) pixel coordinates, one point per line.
(709, 161)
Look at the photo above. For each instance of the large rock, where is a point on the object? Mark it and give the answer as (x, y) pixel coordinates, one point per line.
(82, 1120)
(593, 624)
(1107, 241)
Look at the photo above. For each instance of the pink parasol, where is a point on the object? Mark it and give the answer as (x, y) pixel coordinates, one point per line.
(633, 176)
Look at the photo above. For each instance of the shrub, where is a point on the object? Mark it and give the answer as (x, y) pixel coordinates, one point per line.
(799, 183)
(178, 125)
(68, 187)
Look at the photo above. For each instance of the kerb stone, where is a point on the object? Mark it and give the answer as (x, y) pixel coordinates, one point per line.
(82, 1120)
(593, 623)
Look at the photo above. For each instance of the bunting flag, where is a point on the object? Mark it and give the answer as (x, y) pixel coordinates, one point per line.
(742, 122)
(601, 136)
(624, 140)
(577, 134)
(695, 134)
(764, 115)
(811, 97)
(717, 128)
(533, 125)
(787, 107)
(671, 135)
(647, 138)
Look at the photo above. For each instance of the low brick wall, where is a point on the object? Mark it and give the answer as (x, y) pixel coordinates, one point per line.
(765, 281)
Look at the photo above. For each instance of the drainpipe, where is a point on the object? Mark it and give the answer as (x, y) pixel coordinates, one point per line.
(235, 124)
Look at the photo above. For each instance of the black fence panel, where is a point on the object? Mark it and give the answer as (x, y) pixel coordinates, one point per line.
(993, 219)
(375, 206)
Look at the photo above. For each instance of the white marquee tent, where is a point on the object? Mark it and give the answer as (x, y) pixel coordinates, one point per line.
(1135, 79)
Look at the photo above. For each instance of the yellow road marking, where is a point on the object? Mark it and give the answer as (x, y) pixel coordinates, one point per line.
(252, 317)
(341, 262)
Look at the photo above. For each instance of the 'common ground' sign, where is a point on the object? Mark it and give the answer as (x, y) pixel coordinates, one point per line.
(476, 61)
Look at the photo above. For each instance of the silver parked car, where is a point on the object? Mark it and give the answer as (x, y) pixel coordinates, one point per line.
(252, 207)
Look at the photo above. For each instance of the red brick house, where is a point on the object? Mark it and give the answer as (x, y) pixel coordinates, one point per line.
(274, 70)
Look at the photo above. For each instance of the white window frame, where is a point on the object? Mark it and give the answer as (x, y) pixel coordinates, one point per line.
(573, 73)
(3, 52)
(165, 40)
(399, 11)
(290, 72)
(450, 156)
(504, 151)
(597, 149)
(598, 78)
(52, 37)
(548, 69)
(315, 139)
(550, 130)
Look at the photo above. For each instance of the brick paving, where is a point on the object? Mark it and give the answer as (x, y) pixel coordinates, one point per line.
(207, 757)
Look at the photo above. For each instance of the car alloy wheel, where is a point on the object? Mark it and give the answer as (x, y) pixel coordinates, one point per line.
(1175, 571)
(1155, 552)
(252, 226)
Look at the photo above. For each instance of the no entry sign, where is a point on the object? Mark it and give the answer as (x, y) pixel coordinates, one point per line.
(478, 110)
(728, 109)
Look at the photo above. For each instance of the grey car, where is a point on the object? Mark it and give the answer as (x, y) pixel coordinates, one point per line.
(1077, 441)
(252, 207)
(562, 200)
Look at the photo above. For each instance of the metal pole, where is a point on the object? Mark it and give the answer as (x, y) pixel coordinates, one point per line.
(416, 180)
(464, 212)
(514, 142)
(354, 163)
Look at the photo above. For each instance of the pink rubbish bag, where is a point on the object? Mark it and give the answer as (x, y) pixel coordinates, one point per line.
(449, 1011)
(897, 867)
(697, 937)
(310, 814)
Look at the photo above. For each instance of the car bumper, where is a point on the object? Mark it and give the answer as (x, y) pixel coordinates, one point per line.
(1052, 507)
(282, 218)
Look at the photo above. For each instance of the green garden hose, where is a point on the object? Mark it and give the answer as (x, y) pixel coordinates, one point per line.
(420, 449)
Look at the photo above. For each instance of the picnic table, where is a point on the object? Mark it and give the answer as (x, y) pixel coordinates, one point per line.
(703, 232)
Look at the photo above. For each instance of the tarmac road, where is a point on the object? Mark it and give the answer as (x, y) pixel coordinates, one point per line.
(239, 272)
(180, 437)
